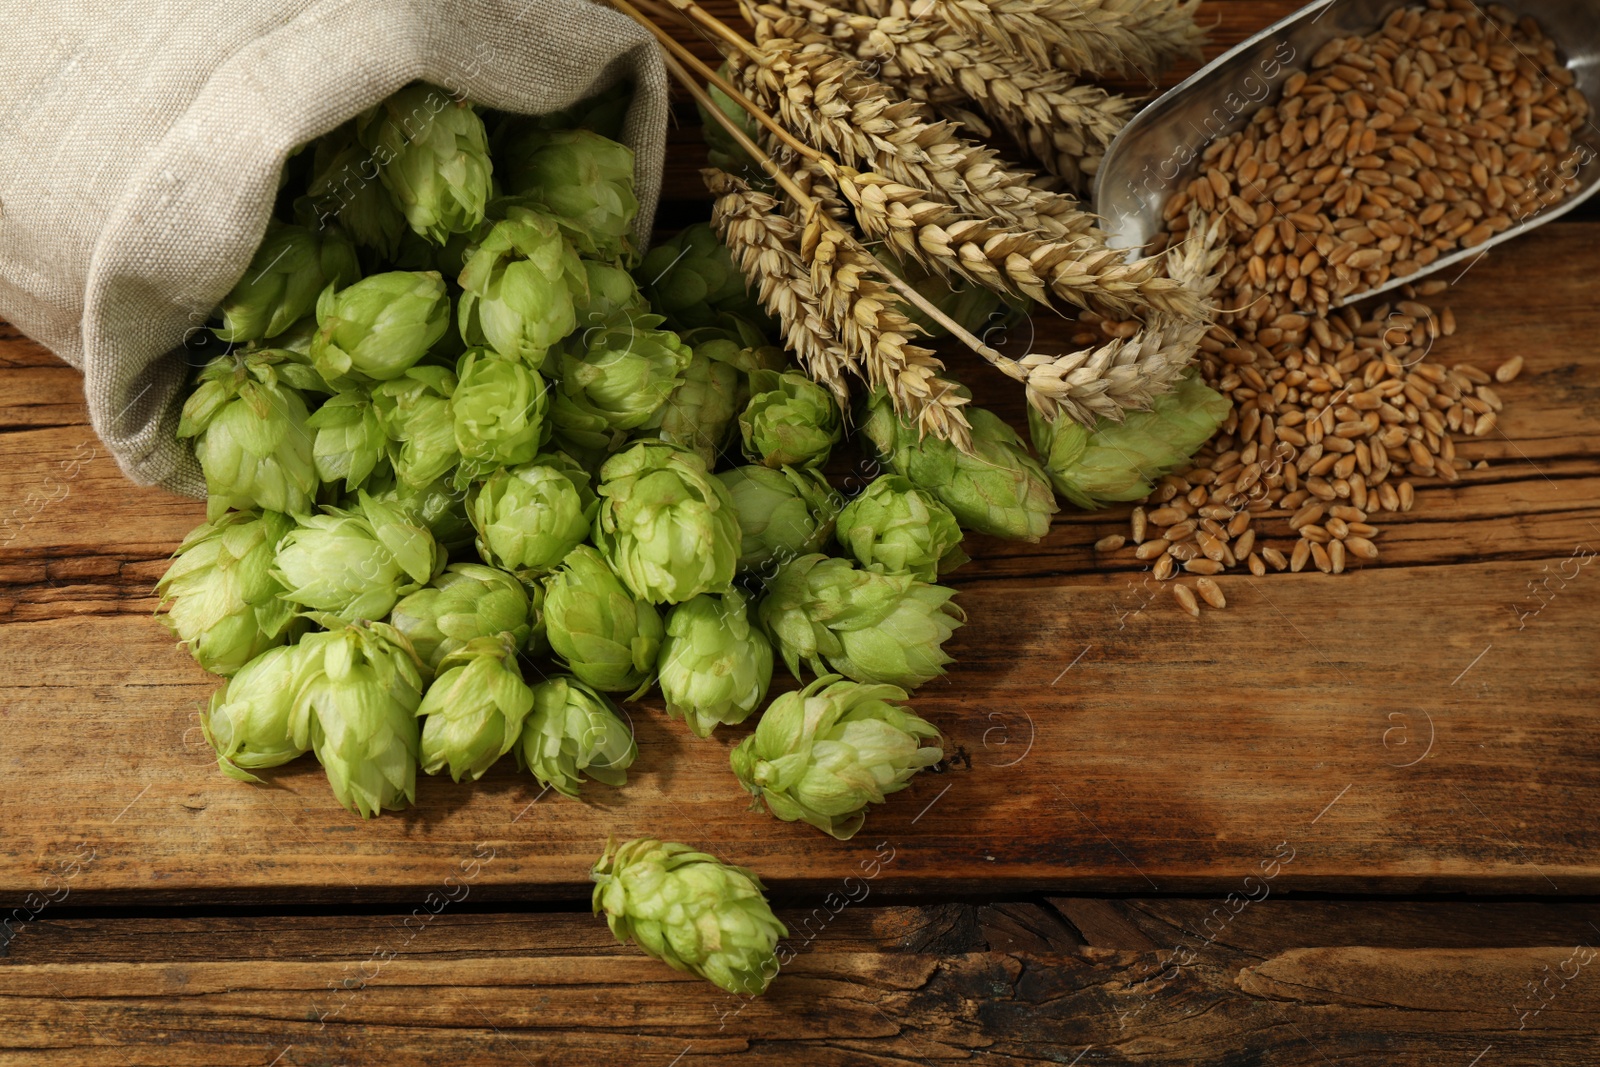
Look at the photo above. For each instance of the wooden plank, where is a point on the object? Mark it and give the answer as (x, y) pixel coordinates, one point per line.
(871, 986)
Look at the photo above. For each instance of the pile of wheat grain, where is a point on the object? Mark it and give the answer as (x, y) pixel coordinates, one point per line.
(1443, 128)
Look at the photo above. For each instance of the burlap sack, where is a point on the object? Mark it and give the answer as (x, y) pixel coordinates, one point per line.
(141, 141)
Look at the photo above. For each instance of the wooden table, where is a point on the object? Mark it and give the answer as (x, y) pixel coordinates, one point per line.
(1350, 819)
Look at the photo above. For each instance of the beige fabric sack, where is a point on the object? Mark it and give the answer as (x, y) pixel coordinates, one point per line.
(141, 142)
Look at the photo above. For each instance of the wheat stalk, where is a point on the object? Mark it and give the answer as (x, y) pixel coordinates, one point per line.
(1079, 36)
(1064, 125)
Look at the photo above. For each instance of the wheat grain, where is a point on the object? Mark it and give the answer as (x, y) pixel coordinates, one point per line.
(1100, 36)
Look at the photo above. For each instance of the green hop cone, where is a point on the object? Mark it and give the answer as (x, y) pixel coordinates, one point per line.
(343, 189)
(612, 296)
(574, 733)
(606, 636)
(693, 281)
(823, 753)
(221, 599)
(868, 626)
(998, 489)
(896, 528)
(722, 151)
(625, 371)
(782, 513)
(379, 327)
(604, 113)
(355, 564)
(973, 307)
(250, 721)
(699, 414)
(473, 712)
(357, 710)
(291, 267)
(418, 420)
(666, 525)
(499, 407)
(691, 912)
(1120, 461)
(432, 153)
(715, 666)
(528, 518)
(466, 602)
(584, 180)
(437, 505)
(518, 288)
(250, 436)
(790, 421)
(350, 442)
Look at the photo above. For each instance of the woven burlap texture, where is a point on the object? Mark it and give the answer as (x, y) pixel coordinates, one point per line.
(141, 143)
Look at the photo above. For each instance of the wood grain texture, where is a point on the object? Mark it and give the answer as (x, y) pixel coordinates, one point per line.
(1280, 983)
(1414, 726)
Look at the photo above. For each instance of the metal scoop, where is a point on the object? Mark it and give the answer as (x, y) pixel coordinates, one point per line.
(1159, 151)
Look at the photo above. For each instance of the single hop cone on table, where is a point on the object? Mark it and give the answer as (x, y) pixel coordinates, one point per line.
(1120, 461)
(585, 182)
(790, 421)
(529, 517)
(418, 418)
(355, 564)
(379, 327)
(287, 274)
(472, 713)
(519, 286)
(467, 602)
(715, 665)
(499, 411)
(624, 372)
(604, 634)
(782, 513)
(699, 414)
(823, 753)
(251, 720)
(250, 436)
(437, 158)
(350, 442)
(896, 528)
(666, 525)
(575, 732)
(870, 627)
(357, 710)
(997, 488)
(690, 911)
(612, 296)
(222, 602)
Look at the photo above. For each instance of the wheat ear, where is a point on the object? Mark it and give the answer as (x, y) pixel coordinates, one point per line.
(1123, 37)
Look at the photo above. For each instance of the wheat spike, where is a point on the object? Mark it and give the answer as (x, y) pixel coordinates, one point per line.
(837, 312)
(1065, 126)
(1080, 36)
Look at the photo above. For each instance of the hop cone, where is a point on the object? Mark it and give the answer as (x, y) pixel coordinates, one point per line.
(977, 309)
(222, 601)
(782, 513)
(250, 720)
(868, 626)
(468, 601)
(357, 709)
(666, 525)
(715, 666)
(584, 180)
(377, 328)
(607, 638)
(612, 296)
(250, 436)
(290, 268)
(1120, 461)
(693, 281)
(419, 422)
(691, 912)
(896, 528)
(499, 407)
(436, 505)
(355, 564)
(528, 518)
(604, 113)
(998, 489)
(435, 154)
(790, 421)
(575, 733)
(624, 372)
(472, 714)
(699, 414)
(825, 752)
(519, 286)
(350, 442)
(342, 189)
